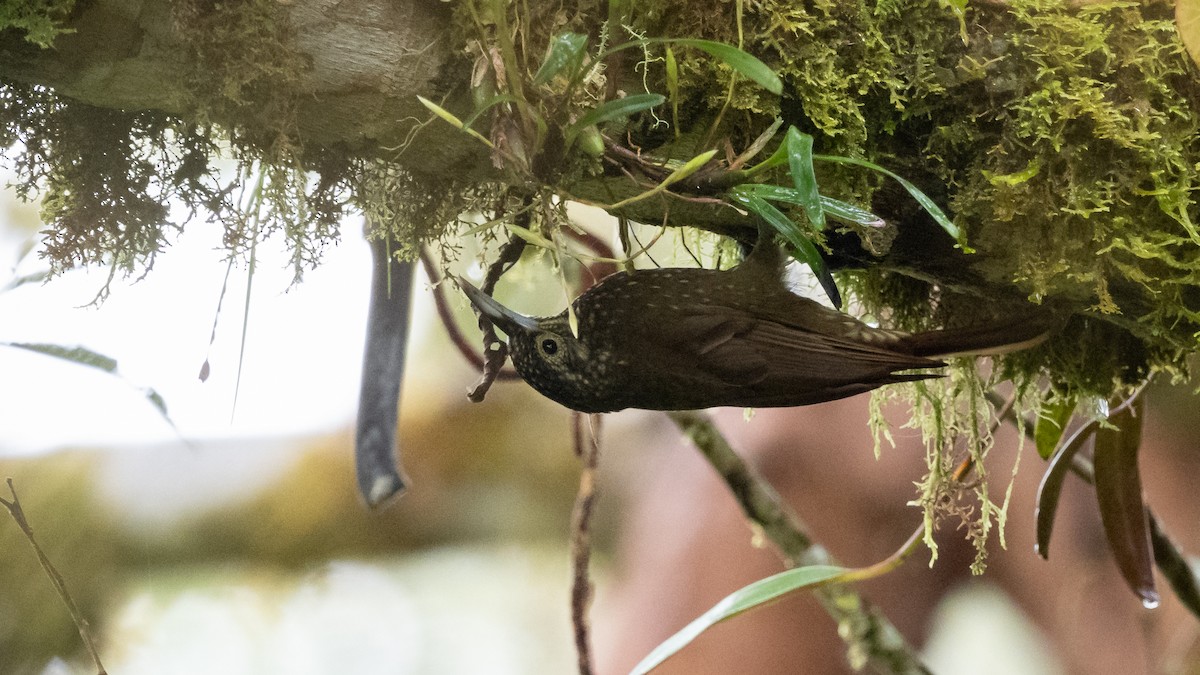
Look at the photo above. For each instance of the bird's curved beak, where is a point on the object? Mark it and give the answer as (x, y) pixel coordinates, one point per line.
(504, 318)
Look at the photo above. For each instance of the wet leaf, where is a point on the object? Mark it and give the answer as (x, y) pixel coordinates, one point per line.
(744, 599)
(566, 49)
(832, 207)
(1052, 483)
(804, 177)
(1119, 493)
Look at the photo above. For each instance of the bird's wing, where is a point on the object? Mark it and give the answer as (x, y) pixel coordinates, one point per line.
(739, 349)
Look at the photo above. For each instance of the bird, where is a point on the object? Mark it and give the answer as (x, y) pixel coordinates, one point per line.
(694, 338)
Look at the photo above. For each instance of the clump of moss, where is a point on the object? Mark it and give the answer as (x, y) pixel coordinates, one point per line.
(40, 20)
(108, 178)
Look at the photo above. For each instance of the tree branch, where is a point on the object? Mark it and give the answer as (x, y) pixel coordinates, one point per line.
(60, 584)
(871, 638)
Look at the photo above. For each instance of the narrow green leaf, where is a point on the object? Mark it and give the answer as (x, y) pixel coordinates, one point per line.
(737, 59)
(78, 355)
(923, 199)
(802, 247)
(1051, 423)
(452, 119)
(673, 88)
(609, 110)
(804, 177)
(91, 359)
(1119, 493)
(851, 213)
(692, 166)
(486, 106)
(749, 597)
(566, 49)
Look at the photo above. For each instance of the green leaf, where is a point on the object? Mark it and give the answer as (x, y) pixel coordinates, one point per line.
(91, 359)
(566, 49)
(488, 105)
(849, 212)
(1119, 493)
(78, 355)
(609, 110)
(749, 597)
(1051, 423)
(673, 88)
(692, 166)
(452, 119)
(804, 177)
(923, 199)
(802, 247)
(832, 207)
(737, 59)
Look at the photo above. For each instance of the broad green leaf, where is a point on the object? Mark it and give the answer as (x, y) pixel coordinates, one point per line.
(1119, 493)
(566, 49)
(804, 177)
(923, 199)
(802, 247)
(1051, 423)
(749, 597)
(609, 110)
(737, 59)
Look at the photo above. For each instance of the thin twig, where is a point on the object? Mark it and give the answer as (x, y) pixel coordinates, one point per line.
(588, 451)
(495, 352)
(446, 315)
(60, 585)
(870, 636)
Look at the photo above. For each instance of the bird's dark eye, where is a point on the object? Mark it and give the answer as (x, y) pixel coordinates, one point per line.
(549, 346)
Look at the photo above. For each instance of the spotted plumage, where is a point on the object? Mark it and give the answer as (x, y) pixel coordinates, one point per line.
(684, 339)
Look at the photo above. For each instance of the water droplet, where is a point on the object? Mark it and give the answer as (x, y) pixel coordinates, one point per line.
(1149, 599)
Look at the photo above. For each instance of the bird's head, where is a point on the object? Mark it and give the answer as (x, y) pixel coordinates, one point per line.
(544, 351)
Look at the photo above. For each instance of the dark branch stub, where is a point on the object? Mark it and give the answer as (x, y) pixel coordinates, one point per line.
(495, 352)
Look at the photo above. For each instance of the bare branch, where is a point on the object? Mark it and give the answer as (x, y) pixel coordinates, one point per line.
(60, 584)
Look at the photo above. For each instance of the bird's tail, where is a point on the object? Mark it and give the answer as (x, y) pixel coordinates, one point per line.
(986, 340)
